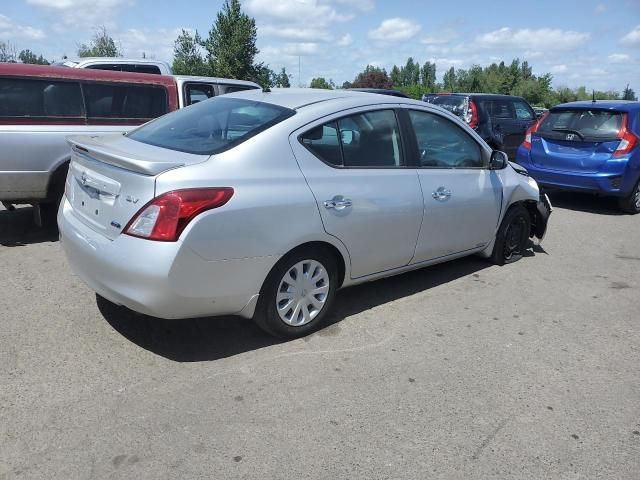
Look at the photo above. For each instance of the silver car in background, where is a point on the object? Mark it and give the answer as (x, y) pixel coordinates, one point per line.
(263, 204)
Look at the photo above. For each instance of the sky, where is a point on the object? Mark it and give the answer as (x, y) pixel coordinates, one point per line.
(582, 42)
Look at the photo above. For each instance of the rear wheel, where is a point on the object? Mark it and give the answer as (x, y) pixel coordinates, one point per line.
(49, 208)
(297, 294)
(631, 204)
(512, 237)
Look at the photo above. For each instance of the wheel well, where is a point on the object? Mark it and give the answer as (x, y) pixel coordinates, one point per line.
(327, 247)
(56, 180)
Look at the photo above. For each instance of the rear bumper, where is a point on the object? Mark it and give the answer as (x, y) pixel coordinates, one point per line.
(161, 279)
(612, 183)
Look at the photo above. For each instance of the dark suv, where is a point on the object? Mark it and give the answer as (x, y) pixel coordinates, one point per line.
(501, 120)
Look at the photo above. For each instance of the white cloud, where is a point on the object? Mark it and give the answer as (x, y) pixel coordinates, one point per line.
(395, 30)
(619, 58)
(296, 34)
(440, 37)
(155, 43)
(542, 38)
(310, 12)
(89, 13)
(10, 30)
(345, 40)
(632, 38)
(562, 68)
(361, 5)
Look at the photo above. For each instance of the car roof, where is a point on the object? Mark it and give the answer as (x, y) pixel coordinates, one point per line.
(297, 98)
(228, 81)
(47, 71)
(619, 105)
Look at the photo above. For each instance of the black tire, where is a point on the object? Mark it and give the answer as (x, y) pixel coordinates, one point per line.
(49, 208)
(631, 204)
(512, 237)
(267, 316)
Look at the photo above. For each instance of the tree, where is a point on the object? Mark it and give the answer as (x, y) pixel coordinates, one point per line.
(102, 45)
(282, 79)
(449, 80)
(372, 77)
(263, 75)
(320, 82)
(629, 94)
(396, 76)
(231, 45)
(7, 52)
(187, 58)
(428, 76)
(27, 56)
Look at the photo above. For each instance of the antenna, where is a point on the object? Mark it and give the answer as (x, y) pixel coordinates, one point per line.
(593, 96)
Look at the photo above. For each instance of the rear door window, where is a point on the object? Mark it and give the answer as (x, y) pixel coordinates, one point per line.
(500, 109)
(522, 111)
(581, 125)
(42, 99)
(124, 102)
(365, 140)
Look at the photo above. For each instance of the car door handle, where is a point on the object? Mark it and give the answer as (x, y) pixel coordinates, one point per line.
(441, 194)
(337, 204)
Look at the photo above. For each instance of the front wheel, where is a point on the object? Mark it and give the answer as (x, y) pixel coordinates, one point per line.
(297, 294)
(631, 204)
(512, 237)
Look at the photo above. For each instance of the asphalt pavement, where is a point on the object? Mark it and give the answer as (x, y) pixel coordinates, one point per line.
(459, 371)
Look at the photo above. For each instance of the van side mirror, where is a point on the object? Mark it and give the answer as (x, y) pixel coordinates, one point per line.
(499, 160)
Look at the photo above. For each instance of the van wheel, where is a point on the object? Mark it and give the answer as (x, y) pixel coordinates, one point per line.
(297, 294)
(631, 204)
(512, 236)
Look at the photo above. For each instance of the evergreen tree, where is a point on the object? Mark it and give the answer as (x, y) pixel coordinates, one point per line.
(187, 59)
(102, 45)
(629, 94)
(27, 56)
(231, 45)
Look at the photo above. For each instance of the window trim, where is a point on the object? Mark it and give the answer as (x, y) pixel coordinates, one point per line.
(416, 148)
(401, 134)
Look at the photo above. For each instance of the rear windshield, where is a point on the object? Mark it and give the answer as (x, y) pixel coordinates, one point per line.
(586, 124)
(211, 126)
(453, 103)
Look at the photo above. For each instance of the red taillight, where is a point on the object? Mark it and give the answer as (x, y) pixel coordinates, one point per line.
(532, 129)
(628, 140)
(165, 217)
(473, 114)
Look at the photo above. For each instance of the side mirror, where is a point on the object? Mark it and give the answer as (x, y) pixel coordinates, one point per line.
(499, 160)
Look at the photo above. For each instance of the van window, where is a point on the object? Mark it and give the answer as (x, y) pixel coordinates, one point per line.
(109, 101)
(198, 92)
(126, 67)
(500, 108)
(236, 88)
(39, 98)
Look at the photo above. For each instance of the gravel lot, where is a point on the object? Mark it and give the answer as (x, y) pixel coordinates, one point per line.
(463, 370)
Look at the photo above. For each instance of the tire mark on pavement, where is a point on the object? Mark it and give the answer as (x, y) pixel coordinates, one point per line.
(489, 439)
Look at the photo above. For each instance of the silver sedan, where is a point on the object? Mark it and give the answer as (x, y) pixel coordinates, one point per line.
(263, 204)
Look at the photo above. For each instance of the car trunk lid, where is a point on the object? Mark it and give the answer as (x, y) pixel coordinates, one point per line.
(111, 177)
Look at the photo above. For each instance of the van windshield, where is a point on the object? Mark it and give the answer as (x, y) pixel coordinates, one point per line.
(211, 126)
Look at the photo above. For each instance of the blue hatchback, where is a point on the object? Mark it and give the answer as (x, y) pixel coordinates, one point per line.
(589, 147)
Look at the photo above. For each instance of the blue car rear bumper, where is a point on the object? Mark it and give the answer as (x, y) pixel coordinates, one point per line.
(618, 183)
